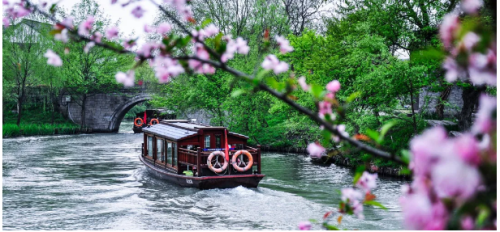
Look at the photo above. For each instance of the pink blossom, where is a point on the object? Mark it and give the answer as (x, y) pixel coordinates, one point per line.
(63, 36)
(186, 13)
(164, 28)
(271, 62)
(96, 37)
(303, 84)
(85, 26)
(333, 86)
(88, 46)
(68, 22)
(448, 29)
(367, 181)
(330, 95)
(211, 30)
(129, 43)
(425, 150)
(138, 12)
(484, 122)
(6, 22)
(126, 79)
(325, 107)
(149, 29)
(53, 58)
(113, 1)
(470, 40)
(242, 47)
(111, 32)
(146, 49)
(452, 69)
(284, 45)
(467, 223)
(350, 195)
(454, 178)
(357, 209)
(340, 128)
(467, 147)
(315, 150)
(5, 2)
(305, 226)
(20, 11)
(166, 68)
(482, 68)
(198, 66)
(471, 6)
(417, 211)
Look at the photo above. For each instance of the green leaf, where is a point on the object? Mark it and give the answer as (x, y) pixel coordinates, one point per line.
(406, 155)
(405, 171)
(313, 220)
(375, 203)
(353, 96)
(261, 74)
(358, 173)
(484, 213)
(330, 227)
(53, 8)
(316, 90)
(384, 130)
(206, 22)
(238, 92)
(373, 134)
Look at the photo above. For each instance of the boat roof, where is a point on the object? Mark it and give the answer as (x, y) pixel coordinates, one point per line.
(178, 129)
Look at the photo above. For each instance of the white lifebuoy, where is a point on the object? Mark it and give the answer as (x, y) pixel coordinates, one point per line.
(213, 167)
(248, 165)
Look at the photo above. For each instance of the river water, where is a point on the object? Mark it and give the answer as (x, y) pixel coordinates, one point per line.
(96, 182)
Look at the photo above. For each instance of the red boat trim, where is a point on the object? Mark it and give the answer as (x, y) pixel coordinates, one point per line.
(196, 177)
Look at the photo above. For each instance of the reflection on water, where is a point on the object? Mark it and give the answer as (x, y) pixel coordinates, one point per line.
(96, 182)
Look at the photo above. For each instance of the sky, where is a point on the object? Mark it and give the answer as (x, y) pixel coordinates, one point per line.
(128, 22)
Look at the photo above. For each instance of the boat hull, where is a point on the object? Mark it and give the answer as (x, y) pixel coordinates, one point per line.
(204, 182)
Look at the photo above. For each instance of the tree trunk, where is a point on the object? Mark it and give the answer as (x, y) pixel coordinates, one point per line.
(84, 101)
(442, 98)
(19, 109)
(470, 97)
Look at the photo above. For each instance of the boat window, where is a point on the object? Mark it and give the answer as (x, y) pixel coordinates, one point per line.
(160, 151)
(150, 146)
(174, 147)
(207, 141)
(169, 153)
(217, 141)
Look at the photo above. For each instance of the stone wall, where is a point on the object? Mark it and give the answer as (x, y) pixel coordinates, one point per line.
(428, 101)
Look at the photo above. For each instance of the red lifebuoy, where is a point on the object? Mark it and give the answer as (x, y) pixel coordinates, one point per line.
(216, 162)
(138, 123)
(154, 120)
(248, 165)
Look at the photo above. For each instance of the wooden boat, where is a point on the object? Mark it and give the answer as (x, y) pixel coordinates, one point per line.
(149, 117)
(193, 155)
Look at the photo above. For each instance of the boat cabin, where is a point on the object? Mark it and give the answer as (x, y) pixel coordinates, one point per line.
(185, 148)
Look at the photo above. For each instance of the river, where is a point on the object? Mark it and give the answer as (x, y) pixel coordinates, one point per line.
(96, 182)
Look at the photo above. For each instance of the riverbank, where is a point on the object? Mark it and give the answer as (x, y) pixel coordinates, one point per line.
(37, 122)
(342, 160)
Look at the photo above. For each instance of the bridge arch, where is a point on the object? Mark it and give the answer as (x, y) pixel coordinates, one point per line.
(120, 111)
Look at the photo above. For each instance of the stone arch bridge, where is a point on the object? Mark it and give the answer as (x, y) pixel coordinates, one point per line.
(103, 111)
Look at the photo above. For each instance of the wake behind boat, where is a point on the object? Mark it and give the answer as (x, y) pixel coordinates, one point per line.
(201, 156)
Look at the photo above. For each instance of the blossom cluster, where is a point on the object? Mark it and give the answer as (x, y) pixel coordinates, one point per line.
(449, 172)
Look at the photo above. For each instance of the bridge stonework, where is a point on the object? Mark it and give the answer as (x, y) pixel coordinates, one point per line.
(103, 111)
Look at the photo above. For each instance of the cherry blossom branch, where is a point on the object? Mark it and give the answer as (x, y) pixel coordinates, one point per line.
(250, 79)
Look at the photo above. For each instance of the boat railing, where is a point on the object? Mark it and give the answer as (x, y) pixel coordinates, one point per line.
(198, 159)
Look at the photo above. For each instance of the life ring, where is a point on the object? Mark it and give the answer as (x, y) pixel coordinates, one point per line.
(212, 166)
(138, 123)
(247, 166)
(154, 120)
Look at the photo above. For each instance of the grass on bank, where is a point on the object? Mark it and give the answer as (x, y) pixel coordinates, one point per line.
(37, 122)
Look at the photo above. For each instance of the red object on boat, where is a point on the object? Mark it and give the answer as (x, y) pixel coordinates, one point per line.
(145, 117)
(226, 150)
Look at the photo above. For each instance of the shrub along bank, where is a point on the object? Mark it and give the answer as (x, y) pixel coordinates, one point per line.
(37, 122)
